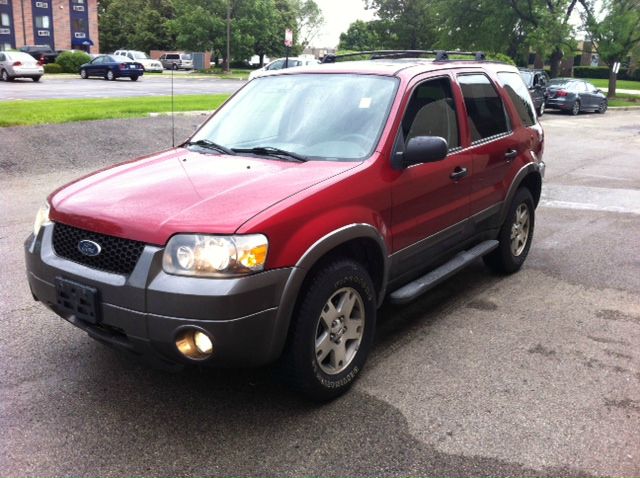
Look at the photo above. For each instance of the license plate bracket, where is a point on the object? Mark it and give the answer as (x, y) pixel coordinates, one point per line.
(78, 299)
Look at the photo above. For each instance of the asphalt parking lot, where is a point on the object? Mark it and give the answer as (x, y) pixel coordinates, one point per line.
(537, 373)
(148, 85)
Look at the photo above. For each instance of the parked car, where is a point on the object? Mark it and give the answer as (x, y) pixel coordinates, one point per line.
(112, 67)
(150, 65)
(574, 96)
(43, 53)
(277, 230)
(177, 61)
(536, 81)
(15, 64)
(282, 63)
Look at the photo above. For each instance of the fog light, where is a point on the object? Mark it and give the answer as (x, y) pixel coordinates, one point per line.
(194, 344)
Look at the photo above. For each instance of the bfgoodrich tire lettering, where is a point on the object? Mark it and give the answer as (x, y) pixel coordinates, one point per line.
(337, 314)
(515, 235)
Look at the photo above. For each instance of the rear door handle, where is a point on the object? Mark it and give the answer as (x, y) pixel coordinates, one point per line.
(458, 173)
(510, 155)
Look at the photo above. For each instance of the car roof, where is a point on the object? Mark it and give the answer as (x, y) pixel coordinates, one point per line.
(401, 67)
(16, 55)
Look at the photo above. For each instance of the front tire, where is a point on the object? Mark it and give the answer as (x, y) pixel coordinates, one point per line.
(515, 235)
(83, 74)
(602, 107)
(5, 76)
(110, 75)
(541, 108)
(331, 332)
(174, 66)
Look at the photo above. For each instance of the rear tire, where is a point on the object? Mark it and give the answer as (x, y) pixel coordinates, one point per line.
(174, 66)
(134, 78)
(331, 331)
(83, 74)
(36, 79)
(541, 108)
(110, 75)
(575, 109)
(515, 235)
(5, 76)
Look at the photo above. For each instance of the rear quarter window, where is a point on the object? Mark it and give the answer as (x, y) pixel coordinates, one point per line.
(519, 95)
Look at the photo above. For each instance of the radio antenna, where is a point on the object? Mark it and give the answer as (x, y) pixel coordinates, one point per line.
(173, 123)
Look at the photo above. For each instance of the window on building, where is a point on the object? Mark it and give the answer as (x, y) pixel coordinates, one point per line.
(78, 24)
(486, 113)
(42, 21)
(79, 2)
(5, 21)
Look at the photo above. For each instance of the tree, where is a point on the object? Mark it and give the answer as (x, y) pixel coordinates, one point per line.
(361, 36)
(135, 24)
(616, 34)
(411, 23)
(309, 21)
(199, 25)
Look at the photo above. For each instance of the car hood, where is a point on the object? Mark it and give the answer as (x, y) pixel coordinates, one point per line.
(152, 198)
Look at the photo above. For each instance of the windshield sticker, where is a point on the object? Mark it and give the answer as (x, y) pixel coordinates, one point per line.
(365, 103)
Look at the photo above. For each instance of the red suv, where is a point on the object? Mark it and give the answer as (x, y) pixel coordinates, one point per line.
(279, 228)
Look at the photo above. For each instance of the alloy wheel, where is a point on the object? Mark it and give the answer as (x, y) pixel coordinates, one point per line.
(520, 230)
(339, 331)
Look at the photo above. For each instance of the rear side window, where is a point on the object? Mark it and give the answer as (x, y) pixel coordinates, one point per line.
(520, 97)
(485, 110)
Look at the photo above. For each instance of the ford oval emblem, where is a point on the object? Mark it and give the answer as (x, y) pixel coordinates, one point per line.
(89, 248)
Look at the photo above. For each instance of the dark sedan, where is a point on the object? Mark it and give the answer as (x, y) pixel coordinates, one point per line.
(111, 67)
(574, 96)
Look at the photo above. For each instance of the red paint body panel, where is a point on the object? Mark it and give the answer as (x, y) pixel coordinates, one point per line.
(182, 191)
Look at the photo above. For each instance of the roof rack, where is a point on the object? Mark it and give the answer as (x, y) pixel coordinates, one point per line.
(440, 55)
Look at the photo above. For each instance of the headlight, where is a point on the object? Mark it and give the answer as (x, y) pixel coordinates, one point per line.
(42, 218)
(215, 256)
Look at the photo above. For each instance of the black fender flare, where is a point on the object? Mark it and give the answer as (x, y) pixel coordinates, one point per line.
(525, 171)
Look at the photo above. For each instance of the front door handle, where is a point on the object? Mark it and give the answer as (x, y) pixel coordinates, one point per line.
(510, 155)
(458, 173)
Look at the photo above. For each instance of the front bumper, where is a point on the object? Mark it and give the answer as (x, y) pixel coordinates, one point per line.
(143, 313)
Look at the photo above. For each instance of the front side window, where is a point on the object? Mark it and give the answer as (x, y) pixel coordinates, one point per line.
(42, 21)
(485, 111)
(431, 112)
(322, 117)
(520, 97)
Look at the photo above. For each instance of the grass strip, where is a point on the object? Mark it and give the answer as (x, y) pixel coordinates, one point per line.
(33, 112)
(623, 84)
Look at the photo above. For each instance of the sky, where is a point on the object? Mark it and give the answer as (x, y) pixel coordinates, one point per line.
(338, 15)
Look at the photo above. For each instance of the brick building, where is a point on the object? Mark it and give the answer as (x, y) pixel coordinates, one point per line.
(61, 24)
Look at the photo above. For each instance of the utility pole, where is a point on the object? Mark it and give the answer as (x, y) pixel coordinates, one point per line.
(227, 59)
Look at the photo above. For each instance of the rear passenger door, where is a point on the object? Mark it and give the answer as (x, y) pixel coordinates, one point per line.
(492, 144)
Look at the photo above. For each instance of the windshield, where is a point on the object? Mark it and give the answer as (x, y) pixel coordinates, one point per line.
(138, 55)
(322, 117)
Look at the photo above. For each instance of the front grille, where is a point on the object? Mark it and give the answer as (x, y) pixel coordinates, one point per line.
(117, 255)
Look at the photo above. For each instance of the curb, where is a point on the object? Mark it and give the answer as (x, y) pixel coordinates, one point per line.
(624, 108)
(182, 113)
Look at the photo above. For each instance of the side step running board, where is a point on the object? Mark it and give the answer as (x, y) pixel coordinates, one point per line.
(419, 286)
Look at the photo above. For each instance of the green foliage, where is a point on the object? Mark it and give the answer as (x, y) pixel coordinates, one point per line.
(362, 36)
(135, 24)
(602, 72)
(71, 61)
(501, 57)
(52, 68)
(407, 24)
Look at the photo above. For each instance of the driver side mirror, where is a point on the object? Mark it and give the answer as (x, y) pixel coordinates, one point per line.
(424, 149)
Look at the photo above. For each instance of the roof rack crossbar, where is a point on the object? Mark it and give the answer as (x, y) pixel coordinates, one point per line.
(440, 55)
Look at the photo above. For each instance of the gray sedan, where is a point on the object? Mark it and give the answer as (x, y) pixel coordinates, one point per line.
(574, 96)
(16, 64)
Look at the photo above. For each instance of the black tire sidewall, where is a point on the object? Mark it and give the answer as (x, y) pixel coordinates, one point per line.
(509, 262)
(311, 380)
(574, 111)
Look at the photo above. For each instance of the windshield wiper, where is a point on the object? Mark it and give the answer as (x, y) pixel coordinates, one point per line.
(271, 151)
(205, 143)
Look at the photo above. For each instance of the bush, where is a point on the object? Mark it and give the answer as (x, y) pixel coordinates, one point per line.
(71, 61)
(52, 68)
(602, 72)
(501, 57)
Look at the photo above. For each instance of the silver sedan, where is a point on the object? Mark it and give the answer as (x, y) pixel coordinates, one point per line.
(14, 64)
